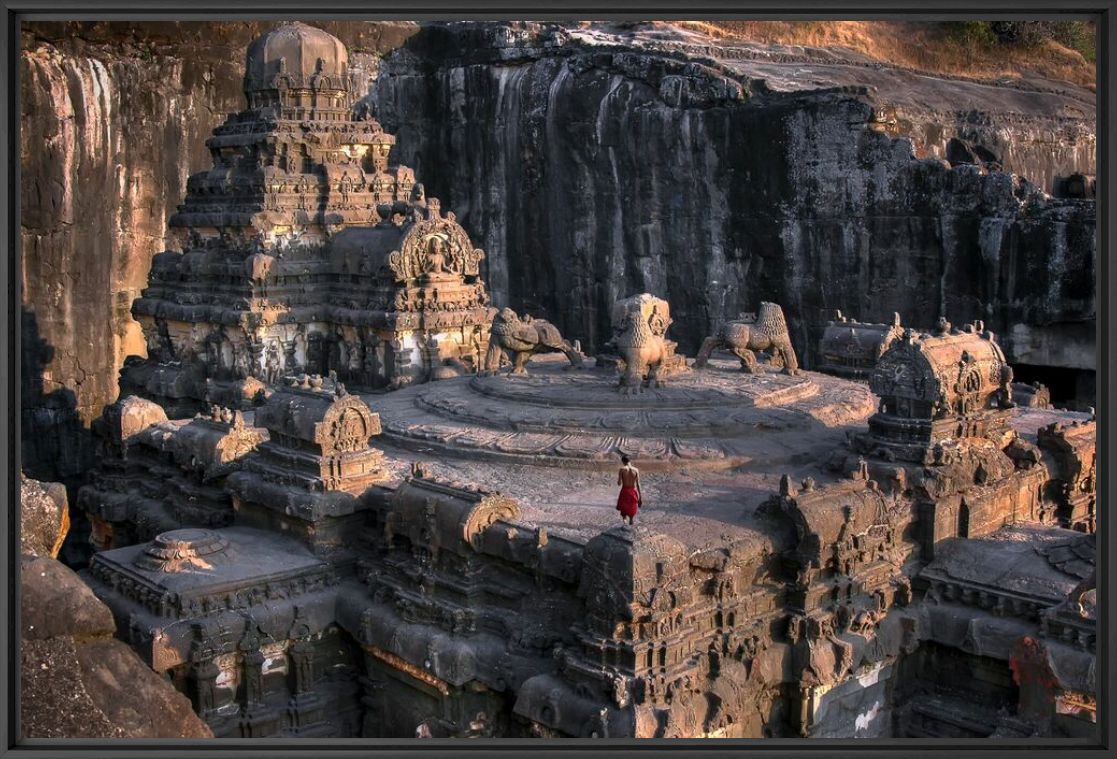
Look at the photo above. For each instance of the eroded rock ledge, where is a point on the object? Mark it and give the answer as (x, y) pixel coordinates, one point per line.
(77, 680)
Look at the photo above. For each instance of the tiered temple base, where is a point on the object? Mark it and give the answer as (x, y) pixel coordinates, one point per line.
(711, 419)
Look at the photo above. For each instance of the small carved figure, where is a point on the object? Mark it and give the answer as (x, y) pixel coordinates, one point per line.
(436, 255)
(523, 338)
(240, 361)
(744, 338)
(1004, 394)
(271, 366)
(371, 362)
(620, 691)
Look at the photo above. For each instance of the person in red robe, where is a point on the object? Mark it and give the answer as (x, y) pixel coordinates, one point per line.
(630, 498)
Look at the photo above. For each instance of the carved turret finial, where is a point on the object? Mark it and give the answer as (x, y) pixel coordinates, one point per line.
(787, 486)
(862, 469)
(895, 318)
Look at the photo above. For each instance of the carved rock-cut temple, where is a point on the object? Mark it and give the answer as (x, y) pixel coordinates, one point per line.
(951, 386)
(303, 250)
(814, 556)
(850, 348)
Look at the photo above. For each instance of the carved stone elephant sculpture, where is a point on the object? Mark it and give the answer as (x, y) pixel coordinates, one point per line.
(523, 338)
(744, 338)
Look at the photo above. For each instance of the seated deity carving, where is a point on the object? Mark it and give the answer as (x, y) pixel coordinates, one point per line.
(523, 338)
(766, 332)
(436, 256)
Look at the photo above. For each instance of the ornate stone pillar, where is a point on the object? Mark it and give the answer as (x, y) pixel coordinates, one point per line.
(801, 711)
(306, 705)
(302, 666)
(253, 665)
(290, 357)
(204, 676)
(258, 720)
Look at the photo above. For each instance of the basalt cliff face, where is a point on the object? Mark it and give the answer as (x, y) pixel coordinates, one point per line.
(590, 169)
(589, 164)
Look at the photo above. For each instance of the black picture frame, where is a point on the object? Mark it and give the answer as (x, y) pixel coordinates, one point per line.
(16, 10)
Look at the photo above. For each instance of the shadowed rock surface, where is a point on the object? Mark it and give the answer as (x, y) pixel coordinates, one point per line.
(717, 181)
(77, 680)
(589, 162)
(44, 517)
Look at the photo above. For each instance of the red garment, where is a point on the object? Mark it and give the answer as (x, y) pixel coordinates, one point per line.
(627, 502)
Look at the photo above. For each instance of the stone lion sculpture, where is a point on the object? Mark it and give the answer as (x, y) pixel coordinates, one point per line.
(639, 337)
(745, 337)
(523, 338)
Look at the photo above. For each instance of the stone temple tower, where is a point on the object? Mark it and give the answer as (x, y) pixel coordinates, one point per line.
(303, 250)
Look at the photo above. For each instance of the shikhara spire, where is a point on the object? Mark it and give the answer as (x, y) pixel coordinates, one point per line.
(302, 249)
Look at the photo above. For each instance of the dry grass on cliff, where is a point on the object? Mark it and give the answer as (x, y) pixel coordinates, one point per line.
(925, 46)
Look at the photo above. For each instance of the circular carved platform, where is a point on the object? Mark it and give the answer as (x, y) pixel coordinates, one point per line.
(713, 418)
(187, 548)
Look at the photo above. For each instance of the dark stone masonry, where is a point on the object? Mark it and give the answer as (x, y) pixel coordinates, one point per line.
(342, 494)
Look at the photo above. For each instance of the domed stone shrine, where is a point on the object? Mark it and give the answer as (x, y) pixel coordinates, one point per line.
(306, 555)
(296, 65)
(955, 384)
(303, 250)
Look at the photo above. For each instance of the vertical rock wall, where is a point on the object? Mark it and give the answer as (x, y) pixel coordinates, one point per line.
(586, 174)
(590, 174)
(106, 149)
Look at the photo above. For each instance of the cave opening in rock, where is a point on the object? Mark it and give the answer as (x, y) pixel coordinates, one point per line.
(1071, 388)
